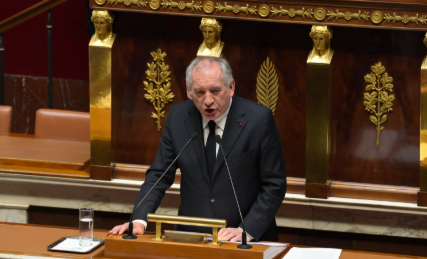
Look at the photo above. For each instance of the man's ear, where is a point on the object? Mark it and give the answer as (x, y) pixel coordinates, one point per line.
(231, 88)
(189, 94)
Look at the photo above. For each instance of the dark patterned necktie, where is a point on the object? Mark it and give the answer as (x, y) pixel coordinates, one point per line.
(211, 149)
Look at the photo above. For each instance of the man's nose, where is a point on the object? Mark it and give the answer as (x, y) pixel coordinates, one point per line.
(208, 99)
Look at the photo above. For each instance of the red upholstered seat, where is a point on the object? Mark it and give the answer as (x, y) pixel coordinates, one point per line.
(63, 125)
(5, 119)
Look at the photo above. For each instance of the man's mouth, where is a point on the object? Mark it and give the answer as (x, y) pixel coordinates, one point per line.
(209, 110)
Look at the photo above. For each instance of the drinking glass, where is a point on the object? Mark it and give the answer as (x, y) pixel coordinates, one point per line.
(85, 226)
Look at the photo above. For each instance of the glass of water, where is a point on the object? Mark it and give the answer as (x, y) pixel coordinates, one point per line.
(85, 226)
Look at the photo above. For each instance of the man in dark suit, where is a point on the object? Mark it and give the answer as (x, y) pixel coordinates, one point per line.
(251, 143)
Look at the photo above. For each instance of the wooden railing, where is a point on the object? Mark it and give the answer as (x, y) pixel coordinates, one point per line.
(28, 13)
(43, 6)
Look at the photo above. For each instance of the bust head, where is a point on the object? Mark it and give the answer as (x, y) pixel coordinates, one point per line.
(321, 36)
(211, 29)
(102, 20)
(425, 40)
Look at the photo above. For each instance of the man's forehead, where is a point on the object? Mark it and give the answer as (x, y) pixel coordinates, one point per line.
(207, 66)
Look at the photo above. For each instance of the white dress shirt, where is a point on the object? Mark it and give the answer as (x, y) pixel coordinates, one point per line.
(219, 128)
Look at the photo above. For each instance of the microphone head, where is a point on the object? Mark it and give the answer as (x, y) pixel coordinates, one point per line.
(194, 135)
(218, 139)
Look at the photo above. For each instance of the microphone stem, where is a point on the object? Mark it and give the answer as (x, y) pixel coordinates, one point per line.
(232, 185)
(188, 142)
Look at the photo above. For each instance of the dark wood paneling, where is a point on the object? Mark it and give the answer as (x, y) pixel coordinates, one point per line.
(247, 45)
(317, 190)
(354, 157)
(27, 94)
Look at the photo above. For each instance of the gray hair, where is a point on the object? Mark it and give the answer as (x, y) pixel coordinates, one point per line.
(223, 64)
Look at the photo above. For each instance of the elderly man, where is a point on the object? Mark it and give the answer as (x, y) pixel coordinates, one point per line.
(251, 144)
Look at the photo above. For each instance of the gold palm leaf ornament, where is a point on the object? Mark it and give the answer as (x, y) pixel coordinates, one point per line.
(267, 85)
(158, 85)
(378, 102)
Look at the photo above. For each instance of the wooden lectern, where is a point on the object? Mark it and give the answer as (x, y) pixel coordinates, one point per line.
(144, 247)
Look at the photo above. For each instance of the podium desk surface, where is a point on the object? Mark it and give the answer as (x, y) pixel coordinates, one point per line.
(19, 146)
(31, 241)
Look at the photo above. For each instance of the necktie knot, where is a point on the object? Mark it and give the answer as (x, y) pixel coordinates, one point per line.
(212, 125)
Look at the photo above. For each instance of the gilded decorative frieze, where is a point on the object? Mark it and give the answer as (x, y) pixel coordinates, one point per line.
(236, 8)
(405, 18)
(292, 12)
(158, 85)
(348, 15)
(154, 4)
(377, 17)
(208, 7)
(264, 10)
(319, 14)
(182, 5)
(139, 3)
(378, 102)
(267, 85)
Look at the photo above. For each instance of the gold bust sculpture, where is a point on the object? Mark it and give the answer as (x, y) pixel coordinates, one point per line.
(424, 65)
(103, 21)
(322, 52)
(211, 45)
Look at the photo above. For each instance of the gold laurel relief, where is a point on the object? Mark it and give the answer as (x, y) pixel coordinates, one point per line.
(348, 15)
(139, 3)
(182, 5)
(267, 85)
(292, 12)
(158, 85)
(236, 8)
(377, 99)
(405, 18)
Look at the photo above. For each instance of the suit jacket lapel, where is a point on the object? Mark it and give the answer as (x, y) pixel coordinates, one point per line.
(194, 124)
(233, 127)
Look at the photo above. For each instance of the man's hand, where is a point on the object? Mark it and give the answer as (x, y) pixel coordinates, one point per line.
(232, 234)
(138, 229)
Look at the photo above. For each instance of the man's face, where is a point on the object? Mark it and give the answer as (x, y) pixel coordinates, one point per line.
(208, 91)
(209, 34)
(100, 26)
(319, 41)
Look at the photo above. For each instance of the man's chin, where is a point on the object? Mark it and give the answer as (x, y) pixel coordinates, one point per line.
(210, 116)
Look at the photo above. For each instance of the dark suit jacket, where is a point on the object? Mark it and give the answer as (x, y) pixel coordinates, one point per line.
(254, 154)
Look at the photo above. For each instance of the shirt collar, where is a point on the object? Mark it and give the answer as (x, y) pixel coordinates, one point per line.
(220, 121)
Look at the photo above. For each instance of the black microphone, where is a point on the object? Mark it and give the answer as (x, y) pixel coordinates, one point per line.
(244, 244)
(130, 234)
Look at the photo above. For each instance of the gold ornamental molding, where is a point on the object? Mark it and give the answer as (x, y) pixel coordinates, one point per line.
(348, 15)
(139, 3)
(263, 10)
(292, 12)
(236, 8)
(267, 85)
(158, 85)
(405, 18)
(378, 102)
(182, 5)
